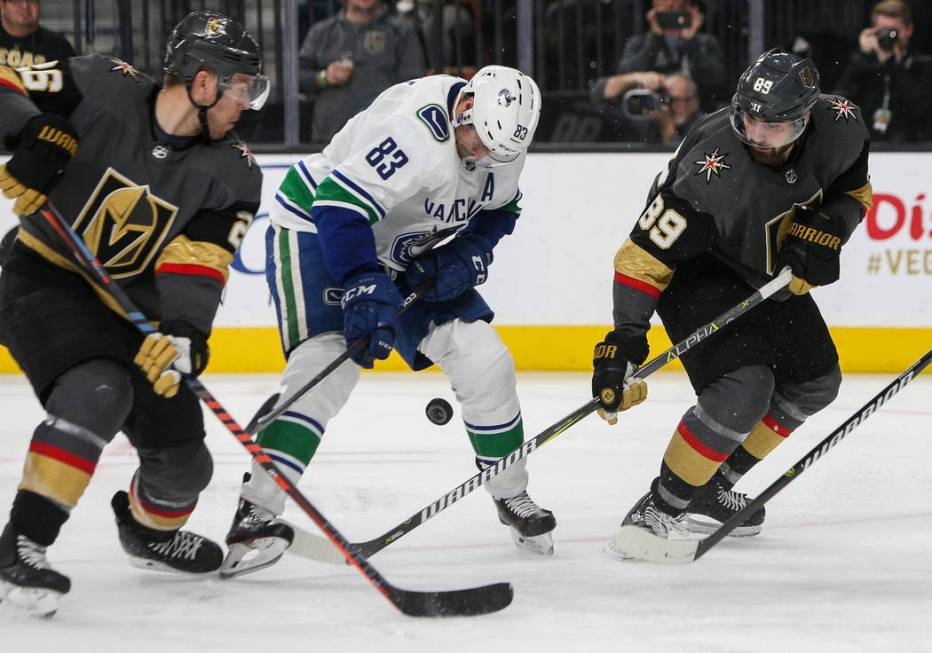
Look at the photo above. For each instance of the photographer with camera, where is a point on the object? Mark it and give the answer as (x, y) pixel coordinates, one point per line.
(888, 79)
(668, 113)
(673, 44)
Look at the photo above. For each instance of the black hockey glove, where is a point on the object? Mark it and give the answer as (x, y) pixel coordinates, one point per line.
(165, 355)
(615, 360)
(811, 248)
(455, 268)
(45, 145)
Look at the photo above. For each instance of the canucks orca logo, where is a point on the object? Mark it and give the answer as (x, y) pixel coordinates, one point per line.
(505, 98)
(411, 245)
(435, 118)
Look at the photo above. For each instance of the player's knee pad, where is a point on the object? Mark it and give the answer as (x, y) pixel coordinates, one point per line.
(95, 396)
(480, 368)
(802, 399)
(305, 362)
(175, 475)
(737, 400)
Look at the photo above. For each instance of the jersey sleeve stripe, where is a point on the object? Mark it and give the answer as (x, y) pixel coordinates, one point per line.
(353, 187)
(332, 193)
(307, 175)
(631, 282)
(513, 205)
(10, 79)
(346, 205)
(295, 188)
(288, 206)
(192, 269)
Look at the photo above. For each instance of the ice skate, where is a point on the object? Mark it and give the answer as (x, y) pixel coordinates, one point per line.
(27, 581)
(175, 551)
(530, 524)
(643, 526)
(715, 505)
(256, 540)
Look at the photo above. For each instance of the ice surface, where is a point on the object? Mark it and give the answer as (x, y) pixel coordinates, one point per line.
(844, 562)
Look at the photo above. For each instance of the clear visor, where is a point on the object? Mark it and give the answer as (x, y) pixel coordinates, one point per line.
(762, 133)
(248, 89)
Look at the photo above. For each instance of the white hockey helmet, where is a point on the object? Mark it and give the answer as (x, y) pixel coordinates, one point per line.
(505, 111)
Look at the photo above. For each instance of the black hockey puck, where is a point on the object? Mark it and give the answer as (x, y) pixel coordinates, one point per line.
(439, 411)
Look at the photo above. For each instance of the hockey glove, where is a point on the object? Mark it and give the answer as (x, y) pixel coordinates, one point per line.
(370, 308)
(164, 356)
(46, 144)
(455, 268)
(811, 248)
(615, 360)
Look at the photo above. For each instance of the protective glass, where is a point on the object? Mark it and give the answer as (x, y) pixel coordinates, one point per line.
(248, 89)
(763, 133)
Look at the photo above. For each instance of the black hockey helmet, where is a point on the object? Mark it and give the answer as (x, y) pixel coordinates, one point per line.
(779, 87)
(209, 39)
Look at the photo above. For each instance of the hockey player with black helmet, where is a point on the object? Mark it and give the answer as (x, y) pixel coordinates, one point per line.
(162, 192)
(779, 178)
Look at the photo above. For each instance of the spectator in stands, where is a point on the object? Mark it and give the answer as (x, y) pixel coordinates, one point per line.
(888, 79)
(673, 44)
(23, 42)
(674, 118)
(352, 57)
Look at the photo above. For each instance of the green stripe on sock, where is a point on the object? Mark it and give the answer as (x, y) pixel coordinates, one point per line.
(297, 441)
(498, 445)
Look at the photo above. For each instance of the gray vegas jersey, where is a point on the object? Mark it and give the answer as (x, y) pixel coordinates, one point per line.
(712, 198)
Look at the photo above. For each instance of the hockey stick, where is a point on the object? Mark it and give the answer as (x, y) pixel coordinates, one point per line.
(266, 415)
(684, 551)
(471, 601)
(309, 545)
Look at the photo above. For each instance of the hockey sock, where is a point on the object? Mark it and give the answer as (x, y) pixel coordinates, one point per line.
(291, 441)
(763, 438)
(157, 514)
(497, 441)
(37, 517)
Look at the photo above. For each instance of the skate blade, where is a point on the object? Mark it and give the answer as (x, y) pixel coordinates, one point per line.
(636, 543)
(702, 527)
(541, 545)
(245, 558)
(33, 601)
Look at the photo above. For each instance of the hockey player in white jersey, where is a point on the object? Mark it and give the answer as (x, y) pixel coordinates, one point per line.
(433, 159)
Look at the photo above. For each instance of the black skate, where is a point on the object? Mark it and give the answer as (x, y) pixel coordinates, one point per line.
(530, 524)
(26, 579)
(718, 504)
(176, 551)
(644, 524)
(256, 540)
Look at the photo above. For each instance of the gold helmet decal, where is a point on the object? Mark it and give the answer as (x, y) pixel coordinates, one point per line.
(806, 77)
(124, 224)
(215, 27)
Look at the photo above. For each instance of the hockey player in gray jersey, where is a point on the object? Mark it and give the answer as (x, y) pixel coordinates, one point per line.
(430, 159)
(162, 193)
(777, 179)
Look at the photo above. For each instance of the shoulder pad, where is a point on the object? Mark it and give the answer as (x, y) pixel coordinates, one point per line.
(106, 77)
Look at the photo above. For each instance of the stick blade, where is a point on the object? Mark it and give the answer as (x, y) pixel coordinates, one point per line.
(454, 603)
(633, 542)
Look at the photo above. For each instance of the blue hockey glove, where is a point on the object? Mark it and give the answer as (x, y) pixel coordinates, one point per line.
(370, 308)
(455, 268)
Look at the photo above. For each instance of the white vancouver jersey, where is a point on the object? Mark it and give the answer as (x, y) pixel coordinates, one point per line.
(396, 164)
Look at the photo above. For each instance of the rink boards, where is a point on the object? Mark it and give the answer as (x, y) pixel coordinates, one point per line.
(550, 284)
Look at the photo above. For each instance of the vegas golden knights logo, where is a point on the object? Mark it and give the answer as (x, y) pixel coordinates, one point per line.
(124, 224)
